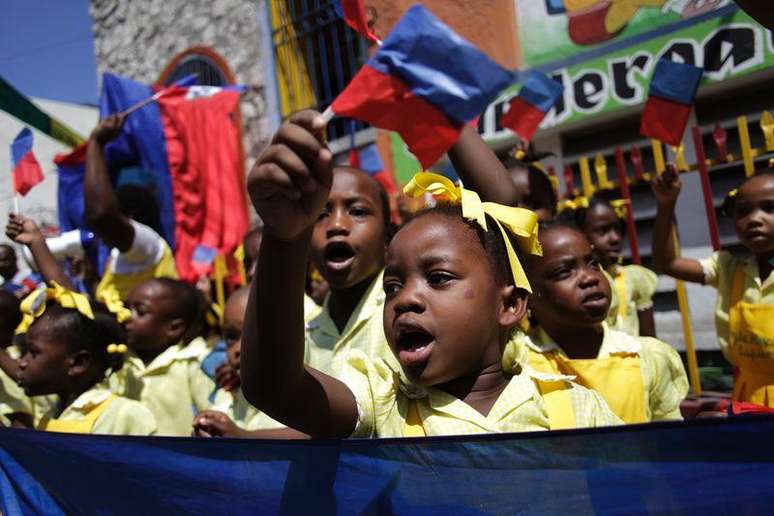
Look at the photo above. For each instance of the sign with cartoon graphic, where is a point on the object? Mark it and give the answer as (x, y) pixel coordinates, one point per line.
(606, 66)
(551, 30)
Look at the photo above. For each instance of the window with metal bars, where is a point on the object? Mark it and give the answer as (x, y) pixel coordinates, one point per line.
(207, 71)
(316, 55)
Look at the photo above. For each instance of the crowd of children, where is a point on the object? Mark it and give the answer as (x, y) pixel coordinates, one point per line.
(494, 309)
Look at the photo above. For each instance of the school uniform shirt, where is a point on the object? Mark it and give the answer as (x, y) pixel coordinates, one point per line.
(173, 386)
(148, 257)
(12, 397)
(121, 416)
(719, 271)
(383, 401)
(634, 286)
(664, 382)
(239, 410)
(326, 347)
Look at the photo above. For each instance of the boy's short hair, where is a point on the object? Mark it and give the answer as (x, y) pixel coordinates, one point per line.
(189, 306)
(10, 313)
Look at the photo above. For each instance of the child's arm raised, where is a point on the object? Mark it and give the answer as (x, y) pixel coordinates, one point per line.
(102, 210)
(666, 188)
(289, 187)
(480, 169)
(24, 231)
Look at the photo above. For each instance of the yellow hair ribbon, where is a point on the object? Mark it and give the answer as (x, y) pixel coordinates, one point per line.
(620, 206)
(34, 305)
(519, 154)
(522, 223)
(733, 193)
(112, 301)
(574, 204)
(117, 349)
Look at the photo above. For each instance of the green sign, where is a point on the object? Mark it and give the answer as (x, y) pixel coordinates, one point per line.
(727, 47)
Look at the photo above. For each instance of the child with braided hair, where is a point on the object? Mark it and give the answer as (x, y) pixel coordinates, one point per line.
(71, 346)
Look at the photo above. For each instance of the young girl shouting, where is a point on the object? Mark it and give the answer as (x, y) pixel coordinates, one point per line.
(744, 313)
(454, 289)
(69, 350)
(641, 378)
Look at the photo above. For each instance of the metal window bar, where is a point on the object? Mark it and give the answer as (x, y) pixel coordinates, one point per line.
(207, 72)
(314, 49)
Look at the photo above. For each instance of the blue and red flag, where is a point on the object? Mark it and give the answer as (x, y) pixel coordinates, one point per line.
(188, 142)
(26, 169)
(536, 98)
(672, 92)
(425, 82)
(354, 14)
(369, 160)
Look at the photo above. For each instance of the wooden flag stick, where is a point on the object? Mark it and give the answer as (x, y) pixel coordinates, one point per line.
(658, 156)
(623, 184)
(706, 188)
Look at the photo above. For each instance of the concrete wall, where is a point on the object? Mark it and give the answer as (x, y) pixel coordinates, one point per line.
(139, 38)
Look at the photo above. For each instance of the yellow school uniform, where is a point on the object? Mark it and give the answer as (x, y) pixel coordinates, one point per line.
(173, 386)
(150, 257)
(612, 312)
(311, 309)
(744, 319)
(325, 347)
(641, 378)
(98, 411)
(388, 407)
(12, 397)
(239, 410)
(634, 286)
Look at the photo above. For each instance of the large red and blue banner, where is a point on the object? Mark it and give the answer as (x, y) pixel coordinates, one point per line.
(187, 147)
(697, 467)
(26, 169)
(425, 82)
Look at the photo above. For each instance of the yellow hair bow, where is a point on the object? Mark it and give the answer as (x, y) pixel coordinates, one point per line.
(574, 204)
(34, 305)
(733, 193)
(117, 349)
(112, 301)
(522, 223)
(620, 206)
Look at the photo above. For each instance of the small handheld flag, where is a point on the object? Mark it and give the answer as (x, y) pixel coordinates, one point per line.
(536, 98)
(413, 86)
(26, 169)
(672, 92)
(354, 14)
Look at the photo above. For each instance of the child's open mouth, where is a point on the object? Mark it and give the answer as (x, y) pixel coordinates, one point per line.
(595, 299)
(339, 255)
(414, 346)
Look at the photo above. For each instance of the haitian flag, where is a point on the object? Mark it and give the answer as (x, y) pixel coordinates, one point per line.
(672, 92)
(425, 82)
(354, 14)
(26, 169)
(187, 143)
(536, 98)
(368, 160)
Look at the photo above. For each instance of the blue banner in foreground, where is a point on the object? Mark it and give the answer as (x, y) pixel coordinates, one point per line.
(705, 466)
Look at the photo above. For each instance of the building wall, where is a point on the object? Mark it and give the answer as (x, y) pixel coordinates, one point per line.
(139, 38)
(489, 24)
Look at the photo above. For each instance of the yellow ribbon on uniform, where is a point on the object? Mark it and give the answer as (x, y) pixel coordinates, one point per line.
(112, 301)
(34, 305)
(574, 204)
(620, 206)
(522, 223)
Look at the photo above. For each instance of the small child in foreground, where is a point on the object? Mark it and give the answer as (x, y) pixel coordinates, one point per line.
(641, 378)
(634, 284)
(744, 312)
(70, 348)
(439, 265)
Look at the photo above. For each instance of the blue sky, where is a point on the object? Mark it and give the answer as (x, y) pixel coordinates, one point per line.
(47, 49)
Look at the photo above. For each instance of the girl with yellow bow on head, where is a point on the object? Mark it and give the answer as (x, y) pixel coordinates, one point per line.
(602, 222)
(70, 347)
(454, 289)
